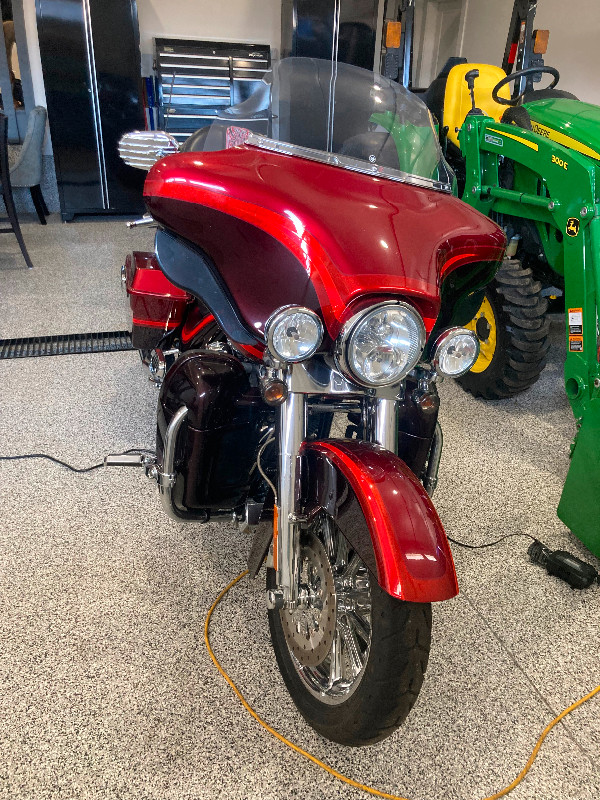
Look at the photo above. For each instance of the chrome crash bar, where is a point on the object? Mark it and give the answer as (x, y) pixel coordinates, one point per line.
(165, 475)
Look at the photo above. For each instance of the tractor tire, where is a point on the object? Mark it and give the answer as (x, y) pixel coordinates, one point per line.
(512, 329)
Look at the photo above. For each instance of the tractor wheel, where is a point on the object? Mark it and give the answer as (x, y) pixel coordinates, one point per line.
(512, 329)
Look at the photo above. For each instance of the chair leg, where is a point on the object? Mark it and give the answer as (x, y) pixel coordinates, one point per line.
(14, 222)
(38, 202)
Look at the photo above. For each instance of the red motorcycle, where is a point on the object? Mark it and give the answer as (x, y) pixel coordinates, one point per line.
(311, 271)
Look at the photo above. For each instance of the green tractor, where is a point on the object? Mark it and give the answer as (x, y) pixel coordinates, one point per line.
(531, 160)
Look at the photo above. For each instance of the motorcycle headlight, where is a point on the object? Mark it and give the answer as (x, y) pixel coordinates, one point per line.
(455, 351)
(294, 333)
(380, 346)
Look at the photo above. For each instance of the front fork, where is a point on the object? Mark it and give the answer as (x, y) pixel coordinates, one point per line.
(382, 428)
(286, 531)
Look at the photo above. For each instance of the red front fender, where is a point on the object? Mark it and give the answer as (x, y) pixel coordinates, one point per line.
(398, 534)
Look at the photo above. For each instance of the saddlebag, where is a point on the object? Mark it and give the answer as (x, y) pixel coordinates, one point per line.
(216, 448)
(157, 305)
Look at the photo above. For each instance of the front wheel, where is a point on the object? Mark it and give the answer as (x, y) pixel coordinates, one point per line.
(512, 328)
(352, 657)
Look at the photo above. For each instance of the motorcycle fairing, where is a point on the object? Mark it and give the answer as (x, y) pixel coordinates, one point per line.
(184, 265)
(388, 517)
(353, 234)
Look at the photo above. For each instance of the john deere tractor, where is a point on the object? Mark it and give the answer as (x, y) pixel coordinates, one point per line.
(531, 160)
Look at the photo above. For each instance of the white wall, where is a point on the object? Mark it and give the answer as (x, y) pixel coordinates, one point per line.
(221, 20)
(35, 63)
(437, 34)
(573, 46)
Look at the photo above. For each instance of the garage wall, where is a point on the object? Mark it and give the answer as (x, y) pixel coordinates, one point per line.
(235, 20)
(438, 32)
(573, 47)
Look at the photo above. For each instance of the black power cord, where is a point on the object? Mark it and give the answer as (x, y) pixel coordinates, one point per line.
(560, 563)
(489, 544)
(69, 466)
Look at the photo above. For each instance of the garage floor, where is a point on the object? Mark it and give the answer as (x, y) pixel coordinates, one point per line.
(106, 689)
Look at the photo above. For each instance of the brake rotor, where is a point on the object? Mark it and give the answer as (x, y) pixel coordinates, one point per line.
(309, 628)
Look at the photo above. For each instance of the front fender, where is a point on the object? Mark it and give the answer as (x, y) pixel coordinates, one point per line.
(388, 517)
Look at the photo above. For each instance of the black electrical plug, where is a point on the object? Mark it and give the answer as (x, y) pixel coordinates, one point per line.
(562, 564)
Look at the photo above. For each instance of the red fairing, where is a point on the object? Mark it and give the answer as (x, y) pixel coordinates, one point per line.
(353, 234)
(412, 554)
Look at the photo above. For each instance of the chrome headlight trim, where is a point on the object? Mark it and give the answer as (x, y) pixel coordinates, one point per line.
(441, 344)
(279, 316)
(344, 340)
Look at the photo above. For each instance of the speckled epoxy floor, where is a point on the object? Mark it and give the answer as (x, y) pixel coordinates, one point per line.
(106, 690)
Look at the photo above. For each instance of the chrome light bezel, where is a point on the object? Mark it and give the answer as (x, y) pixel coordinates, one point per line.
(343, 342)
(277, 317)
(443, 340)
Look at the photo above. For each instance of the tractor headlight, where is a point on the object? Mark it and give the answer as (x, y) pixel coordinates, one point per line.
(455, 351)
(294, 333)
(380, 346)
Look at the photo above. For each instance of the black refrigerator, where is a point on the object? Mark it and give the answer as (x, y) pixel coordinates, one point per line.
(343, 30)
(92, 77)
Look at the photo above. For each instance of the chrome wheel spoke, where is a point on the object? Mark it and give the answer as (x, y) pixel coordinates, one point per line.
(333, 614)
(351, 645)
(354, 565)
(335, 663)
(360, 626)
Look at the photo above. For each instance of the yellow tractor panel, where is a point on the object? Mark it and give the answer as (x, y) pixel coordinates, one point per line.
(457, 100)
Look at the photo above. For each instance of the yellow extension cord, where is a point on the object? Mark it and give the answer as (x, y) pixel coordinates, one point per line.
(334, 772)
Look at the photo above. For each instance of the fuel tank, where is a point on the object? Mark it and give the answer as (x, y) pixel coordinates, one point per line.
(282, 229)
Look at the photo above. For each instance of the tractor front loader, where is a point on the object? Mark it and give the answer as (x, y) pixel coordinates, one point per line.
(530, 159)
(543, 183)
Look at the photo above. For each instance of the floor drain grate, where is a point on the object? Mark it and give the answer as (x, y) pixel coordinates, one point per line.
(66, 344)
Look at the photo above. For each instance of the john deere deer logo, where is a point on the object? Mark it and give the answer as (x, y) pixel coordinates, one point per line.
(572, 226)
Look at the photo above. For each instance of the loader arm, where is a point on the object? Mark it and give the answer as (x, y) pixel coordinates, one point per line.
(556, 187)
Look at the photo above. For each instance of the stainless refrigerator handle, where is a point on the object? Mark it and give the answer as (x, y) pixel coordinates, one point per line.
(93, 90)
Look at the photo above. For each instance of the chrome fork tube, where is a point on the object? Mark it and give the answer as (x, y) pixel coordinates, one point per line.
(292, 433)
(385, 423)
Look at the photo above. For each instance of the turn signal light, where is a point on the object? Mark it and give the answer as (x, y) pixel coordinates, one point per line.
(275, 393)
(540, 42)
(428, 402)
(392, 35)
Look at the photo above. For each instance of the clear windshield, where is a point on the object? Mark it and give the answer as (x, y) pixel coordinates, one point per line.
(342, 114)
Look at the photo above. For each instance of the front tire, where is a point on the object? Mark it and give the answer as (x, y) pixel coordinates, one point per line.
(352, 657)
(512, 328)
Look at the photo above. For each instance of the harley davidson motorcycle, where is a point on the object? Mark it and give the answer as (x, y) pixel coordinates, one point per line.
(312, 269)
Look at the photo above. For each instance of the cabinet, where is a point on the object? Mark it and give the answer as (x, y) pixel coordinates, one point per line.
(91, 65)
(196, 79)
